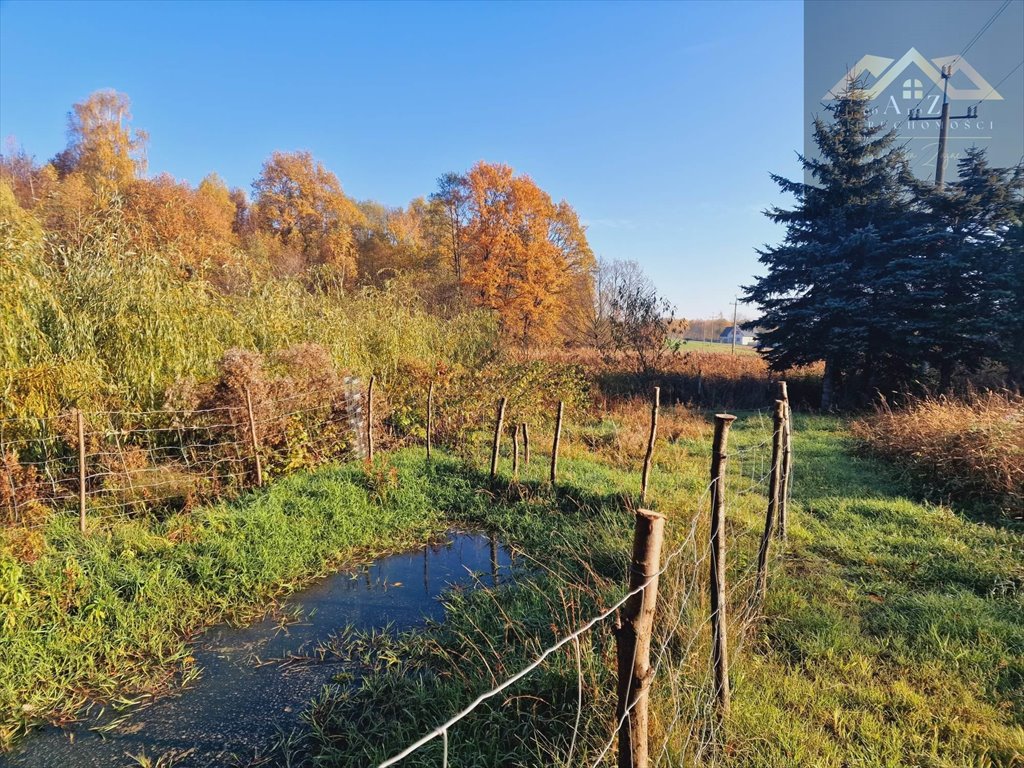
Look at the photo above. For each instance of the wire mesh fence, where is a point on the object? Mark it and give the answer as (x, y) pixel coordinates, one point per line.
(121, 463)
(687, 718)
(115, 464)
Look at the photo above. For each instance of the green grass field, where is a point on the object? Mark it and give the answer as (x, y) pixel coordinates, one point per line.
(893, 634)
(712, 346)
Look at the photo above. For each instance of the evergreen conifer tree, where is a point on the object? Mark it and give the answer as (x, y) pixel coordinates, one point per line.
(829, 293)
(961, 273)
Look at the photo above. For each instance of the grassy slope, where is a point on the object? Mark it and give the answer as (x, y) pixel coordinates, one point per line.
(109, 612)
(896, 635)
(691, 345)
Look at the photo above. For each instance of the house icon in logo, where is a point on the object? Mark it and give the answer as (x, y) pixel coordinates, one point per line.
(887, 71)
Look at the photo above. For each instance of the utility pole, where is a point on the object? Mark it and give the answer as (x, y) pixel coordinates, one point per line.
(944, 118)
(734, 303)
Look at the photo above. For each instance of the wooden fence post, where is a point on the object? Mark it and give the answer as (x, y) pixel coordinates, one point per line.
(719, 649)
(497, 436)
(633, 640)
(369, 419)
(554, 445)
(515, 450)
(430, 414)
(646, 475)
(255, 440)
(81, 471)
(787, 460)
(526, 445)
(774, 488)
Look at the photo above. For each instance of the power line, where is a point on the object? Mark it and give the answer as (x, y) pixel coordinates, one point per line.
(963, 52)
(981, 31)
(1003, 80)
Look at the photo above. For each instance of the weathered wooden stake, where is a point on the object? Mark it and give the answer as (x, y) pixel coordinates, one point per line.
(255, 440)
(497, 437)
(493, 540)
(774, 488)
(81, 471)
(430, 415)
(646, 475)
(554, 445)
(719, 626)
(787, 460)
(369, 419)
(515, 451)
(633, 640)
(526, 445)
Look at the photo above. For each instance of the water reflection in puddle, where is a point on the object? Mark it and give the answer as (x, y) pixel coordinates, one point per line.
(235, 708)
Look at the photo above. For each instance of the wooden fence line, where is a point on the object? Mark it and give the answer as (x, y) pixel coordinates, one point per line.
(633, 630)
(555, 442)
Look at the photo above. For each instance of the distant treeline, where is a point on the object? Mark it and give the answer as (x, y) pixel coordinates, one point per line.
(116, 286)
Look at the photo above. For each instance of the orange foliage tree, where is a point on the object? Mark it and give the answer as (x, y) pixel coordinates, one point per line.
(302, 205)
(526, 256)
(193, 225)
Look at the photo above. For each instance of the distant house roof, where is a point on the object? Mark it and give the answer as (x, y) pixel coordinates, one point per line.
(728, 332)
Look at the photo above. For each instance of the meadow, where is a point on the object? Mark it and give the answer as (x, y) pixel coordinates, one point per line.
(892, 633)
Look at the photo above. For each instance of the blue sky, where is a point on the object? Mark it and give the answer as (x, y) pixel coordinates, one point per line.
(658, 122)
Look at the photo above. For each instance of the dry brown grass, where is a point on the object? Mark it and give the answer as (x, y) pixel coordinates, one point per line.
(620, 432)
(703, 379)
(969, 450)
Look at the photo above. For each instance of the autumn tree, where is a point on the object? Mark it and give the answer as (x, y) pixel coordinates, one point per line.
(29, 183)
(522, 252)
(640, 318)
(101, 145)
(303, 207)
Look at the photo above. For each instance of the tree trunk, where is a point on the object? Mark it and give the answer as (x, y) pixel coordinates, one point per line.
(946, 369)
(828, 386)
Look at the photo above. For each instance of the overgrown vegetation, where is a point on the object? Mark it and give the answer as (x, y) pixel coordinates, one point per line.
(970, 450)
(700, 378)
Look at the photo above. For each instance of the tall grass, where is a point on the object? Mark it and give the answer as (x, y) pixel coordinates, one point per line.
(970, 450)
(892, 634)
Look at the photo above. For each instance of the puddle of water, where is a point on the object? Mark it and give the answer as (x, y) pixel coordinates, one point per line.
(237, 706)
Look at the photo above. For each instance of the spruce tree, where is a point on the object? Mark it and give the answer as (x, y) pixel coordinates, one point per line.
(1008, 286)
(962, 271)
(830, 293)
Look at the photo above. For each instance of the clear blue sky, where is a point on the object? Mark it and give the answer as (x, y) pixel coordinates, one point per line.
(659, 122)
